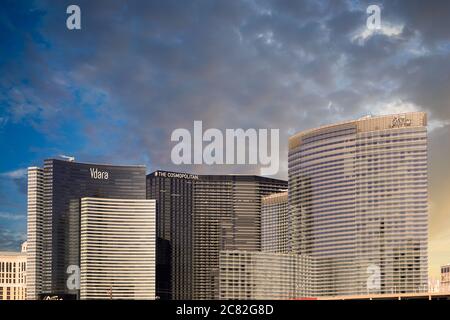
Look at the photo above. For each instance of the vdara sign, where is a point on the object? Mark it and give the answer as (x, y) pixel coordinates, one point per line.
(99, 175)
(400, 122)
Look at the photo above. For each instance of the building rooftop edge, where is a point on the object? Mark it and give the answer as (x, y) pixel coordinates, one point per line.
(117, 199)
(231, 175)
(98, 164)
(12, 253)
(311, 130)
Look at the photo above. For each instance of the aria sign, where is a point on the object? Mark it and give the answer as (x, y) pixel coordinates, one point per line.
(400, 122)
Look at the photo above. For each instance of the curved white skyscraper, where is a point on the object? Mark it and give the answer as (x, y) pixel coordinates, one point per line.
(358, 195)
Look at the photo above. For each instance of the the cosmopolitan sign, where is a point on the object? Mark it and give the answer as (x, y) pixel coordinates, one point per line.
(165, 174)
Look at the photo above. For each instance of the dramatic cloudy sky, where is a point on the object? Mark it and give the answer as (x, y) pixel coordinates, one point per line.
(115, 90)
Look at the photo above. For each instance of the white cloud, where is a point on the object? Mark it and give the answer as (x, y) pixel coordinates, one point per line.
(3, 121)
(400, 106)
(15, 174)
(11, 216)
(394, 107)
(365, 33)
(269, 39)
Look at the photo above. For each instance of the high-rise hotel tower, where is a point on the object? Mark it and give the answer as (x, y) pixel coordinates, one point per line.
(275, 272)
(197, 217)
(173, 193)
(93, 219)
(358, 196)
(275, 223)
(227, 216)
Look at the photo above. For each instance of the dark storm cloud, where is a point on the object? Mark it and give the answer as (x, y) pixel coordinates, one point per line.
(18, 177)
(21, 184)
(11, 240)
(430, 18)
(426, 82)
(220, 63)
(139, 69)
(159, 65)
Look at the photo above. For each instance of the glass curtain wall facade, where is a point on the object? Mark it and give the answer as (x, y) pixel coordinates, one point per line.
(246, 275)
(358, 195)
(117, 249)
(275, 223)
(197, 216)
(226, 216)
(54, 202)
(174, 193)
(35, 216)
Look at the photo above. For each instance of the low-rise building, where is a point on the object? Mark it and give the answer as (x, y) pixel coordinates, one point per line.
(445, 278)
(13, 275)
(245, 275)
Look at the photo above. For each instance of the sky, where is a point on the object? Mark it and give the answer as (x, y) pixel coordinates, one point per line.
(137, 70)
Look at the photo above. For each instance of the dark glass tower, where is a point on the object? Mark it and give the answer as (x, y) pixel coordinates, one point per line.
(197, 217)
(173, 194)
(57, 227)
